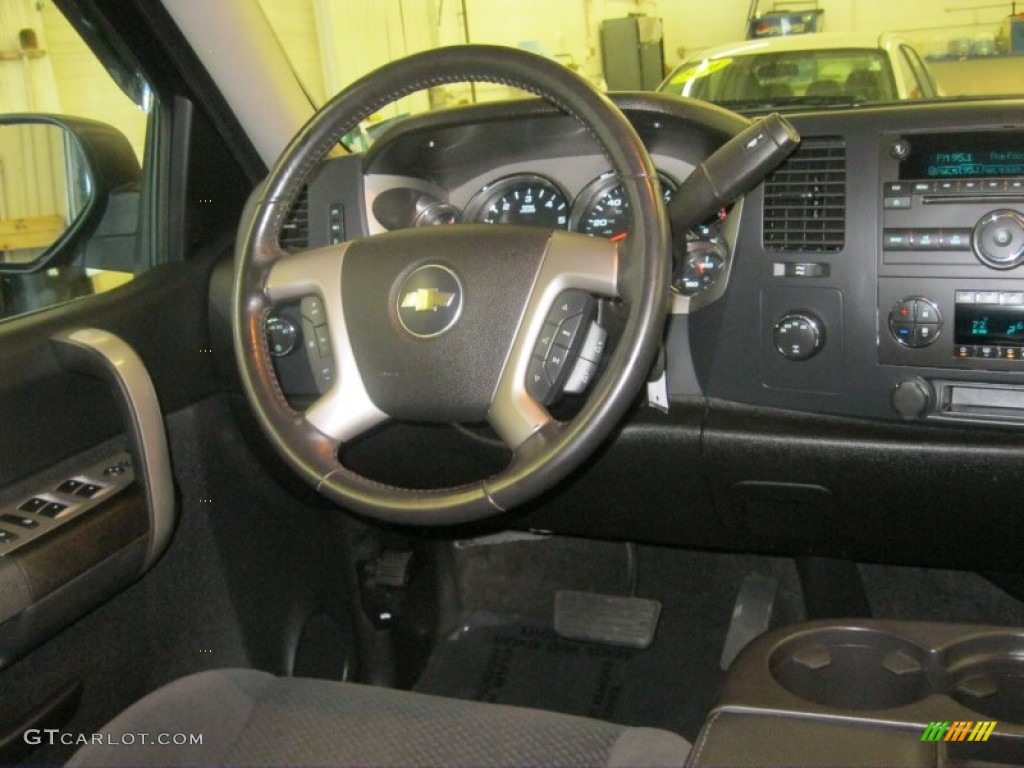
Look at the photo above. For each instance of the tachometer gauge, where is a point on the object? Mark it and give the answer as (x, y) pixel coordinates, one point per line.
(522, 199)
(601, 208)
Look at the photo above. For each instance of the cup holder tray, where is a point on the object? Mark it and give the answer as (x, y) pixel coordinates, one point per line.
(917, 671)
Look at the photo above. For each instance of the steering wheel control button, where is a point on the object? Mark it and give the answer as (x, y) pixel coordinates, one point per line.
(594, 343)
(21, 522)
(429, 301)
(556, 355)
(312, 308)
(998, 239)
(282, 335)
(799, 335)
(915, 322)
(537, 382)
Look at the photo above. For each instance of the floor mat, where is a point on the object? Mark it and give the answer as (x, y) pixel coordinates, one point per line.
(505, 649)
(491, 660)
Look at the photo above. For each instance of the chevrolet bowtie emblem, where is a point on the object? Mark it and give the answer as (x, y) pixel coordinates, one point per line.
(427, 300)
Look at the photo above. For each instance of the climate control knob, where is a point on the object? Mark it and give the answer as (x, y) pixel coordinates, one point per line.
(798, 335)
(998, 239)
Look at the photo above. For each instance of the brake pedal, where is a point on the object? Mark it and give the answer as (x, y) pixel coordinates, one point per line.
(609, 619)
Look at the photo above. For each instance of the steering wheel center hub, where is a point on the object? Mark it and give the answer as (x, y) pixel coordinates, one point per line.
(430, 301)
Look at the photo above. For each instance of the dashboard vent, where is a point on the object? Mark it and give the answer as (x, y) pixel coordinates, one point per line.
(805, 199)
(295, 230)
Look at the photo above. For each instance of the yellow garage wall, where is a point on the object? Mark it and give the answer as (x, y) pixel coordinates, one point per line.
(84, 89)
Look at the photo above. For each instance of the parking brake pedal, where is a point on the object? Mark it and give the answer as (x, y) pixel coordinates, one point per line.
(609, 619)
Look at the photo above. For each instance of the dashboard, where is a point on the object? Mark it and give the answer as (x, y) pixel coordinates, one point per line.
(875, 274)
(865, 322)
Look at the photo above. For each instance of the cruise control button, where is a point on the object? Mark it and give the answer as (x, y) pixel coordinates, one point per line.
(323, 340)
(312, 308)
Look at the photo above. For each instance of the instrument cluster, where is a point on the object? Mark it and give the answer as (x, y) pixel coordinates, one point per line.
(529, 199)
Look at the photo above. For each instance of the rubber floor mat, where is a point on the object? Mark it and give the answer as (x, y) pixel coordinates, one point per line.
(488, 659)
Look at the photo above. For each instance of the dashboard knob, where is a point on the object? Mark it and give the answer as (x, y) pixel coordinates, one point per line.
(998, 239)
(798, 335)
(910, 398)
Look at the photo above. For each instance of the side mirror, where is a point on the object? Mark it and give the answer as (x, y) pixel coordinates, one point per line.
(61, 178)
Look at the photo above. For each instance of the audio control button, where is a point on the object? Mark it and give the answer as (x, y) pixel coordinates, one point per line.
(998, 239)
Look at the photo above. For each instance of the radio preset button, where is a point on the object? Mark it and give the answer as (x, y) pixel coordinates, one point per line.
(897, 240)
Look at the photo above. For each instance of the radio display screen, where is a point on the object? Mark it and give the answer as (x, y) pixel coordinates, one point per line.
(994, 154)
(989, 324)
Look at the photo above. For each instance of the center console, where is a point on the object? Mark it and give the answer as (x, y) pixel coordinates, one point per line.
(871, 693)
(951, 280)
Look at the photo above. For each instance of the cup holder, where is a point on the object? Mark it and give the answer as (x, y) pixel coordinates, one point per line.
(852, 668)
(986, 675)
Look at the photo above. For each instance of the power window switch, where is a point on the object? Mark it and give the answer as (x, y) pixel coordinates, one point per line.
(6, 537)
(33, 505)
(88, 490)
(70, 486)
(18, 520)
(53, 509)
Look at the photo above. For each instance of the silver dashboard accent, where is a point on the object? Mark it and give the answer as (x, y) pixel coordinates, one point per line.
(140, 406)
(571, 261)
(345, 410)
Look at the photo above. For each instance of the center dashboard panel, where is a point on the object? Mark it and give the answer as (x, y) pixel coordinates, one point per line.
(885, 282)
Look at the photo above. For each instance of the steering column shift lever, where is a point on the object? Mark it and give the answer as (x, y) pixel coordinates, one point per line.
(737, 167)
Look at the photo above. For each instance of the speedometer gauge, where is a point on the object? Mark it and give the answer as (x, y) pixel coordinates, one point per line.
(522, 199)
(602, 210)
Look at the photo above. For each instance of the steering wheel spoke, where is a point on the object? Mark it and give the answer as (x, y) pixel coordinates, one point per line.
(345, 409)
(575, 267)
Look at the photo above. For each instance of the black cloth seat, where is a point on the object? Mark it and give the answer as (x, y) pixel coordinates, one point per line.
(252, 718)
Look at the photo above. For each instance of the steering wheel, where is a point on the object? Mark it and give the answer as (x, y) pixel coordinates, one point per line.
(442, 324)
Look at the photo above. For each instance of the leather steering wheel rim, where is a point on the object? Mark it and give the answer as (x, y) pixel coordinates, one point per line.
(641, 280)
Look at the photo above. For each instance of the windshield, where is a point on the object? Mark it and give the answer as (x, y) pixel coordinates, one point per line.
(780, 79)
(846, 54)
